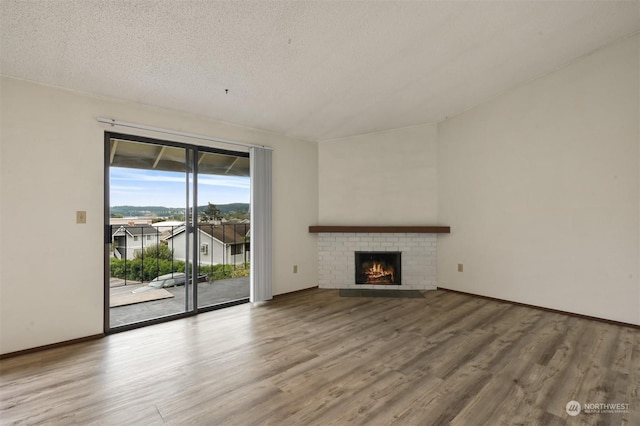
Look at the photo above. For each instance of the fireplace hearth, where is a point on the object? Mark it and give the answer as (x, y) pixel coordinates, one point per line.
(378, 267)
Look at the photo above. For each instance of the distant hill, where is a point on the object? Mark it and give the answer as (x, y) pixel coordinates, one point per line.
(233, 209)
(230, 208)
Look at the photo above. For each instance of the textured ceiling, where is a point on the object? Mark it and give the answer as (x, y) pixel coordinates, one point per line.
(313, 69)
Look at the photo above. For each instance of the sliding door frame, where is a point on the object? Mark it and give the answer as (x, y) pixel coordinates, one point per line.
(191, 222)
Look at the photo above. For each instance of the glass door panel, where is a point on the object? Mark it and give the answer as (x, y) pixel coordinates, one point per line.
(149, 199)
(223, 229)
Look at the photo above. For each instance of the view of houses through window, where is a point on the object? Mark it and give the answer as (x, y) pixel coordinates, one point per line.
(179, 229)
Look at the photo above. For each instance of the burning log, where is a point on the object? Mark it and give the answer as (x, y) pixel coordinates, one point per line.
(377, 273)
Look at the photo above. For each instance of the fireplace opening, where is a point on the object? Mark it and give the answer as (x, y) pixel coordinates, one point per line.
(378, 267)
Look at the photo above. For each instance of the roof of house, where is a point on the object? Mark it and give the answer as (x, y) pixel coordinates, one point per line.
(135, 230)
(225, 233)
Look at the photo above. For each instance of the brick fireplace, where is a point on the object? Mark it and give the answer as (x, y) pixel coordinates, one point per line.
(337, 247)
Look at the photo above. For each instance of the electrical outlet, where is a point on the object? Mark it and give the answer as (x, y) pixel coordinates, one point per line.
(81, 216)
(460, 267)
(295, 269)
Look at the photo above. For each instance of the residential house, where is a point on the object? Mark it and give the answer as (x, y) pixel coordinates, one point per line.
(226, 243)
(128, 241)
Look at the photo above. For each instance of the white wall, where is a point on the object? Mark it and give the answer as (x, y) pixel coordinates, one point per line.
(541, 187)
(386, 178)
(51, 157)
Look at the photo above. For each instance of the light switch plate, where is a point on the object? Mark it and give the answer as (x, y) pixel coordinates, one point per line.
(81, 216)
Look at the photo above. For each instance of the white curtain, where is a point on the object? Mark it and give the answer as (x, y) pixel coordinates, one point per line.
(261, 268)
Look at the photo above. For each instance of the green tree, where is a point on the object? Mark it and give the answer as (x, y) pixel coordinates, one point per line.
(210, 213)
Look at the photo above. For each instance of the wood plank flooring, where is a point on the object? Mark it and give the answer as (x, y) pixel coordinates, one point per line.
(314, 358)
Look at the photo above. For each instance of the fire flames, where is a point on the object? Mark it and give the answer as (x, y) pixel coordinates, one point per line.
(379, 273)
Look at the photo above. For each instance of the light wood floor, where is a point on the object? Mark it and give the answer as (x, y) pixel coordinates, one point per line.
(314, 358)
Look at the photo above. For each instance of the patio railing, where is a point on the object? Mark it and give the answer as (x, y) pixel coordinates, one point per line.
(140, 253)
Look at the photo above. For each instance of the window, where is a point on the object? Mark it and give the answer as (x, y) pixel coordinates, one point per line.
(236, 249)
(204, 249)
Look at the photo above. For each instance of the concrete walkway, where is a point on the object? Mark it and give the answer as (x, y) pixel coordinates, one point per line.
(209, 294)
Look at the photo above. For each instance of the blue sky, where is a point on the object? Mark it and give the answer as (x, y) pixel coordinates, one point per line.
(139, 187)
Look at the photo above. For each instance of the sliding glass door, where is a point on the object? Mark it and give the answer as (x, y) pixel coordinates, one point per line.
(169, 254)
(222, 252)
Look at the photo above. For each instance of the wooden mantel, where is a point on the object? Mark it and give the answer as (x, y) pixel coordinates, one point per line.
(382, 229)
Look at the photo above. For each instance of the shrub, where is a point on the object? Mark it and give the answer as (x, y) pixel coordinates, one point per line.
(159, 251)
(221, 272)
(133, 269)
(240, 272)
(147, 268)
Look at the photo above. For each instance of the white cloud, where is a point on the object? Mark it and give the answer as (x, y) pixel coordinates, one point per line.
(150, 187)
(166, 177)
